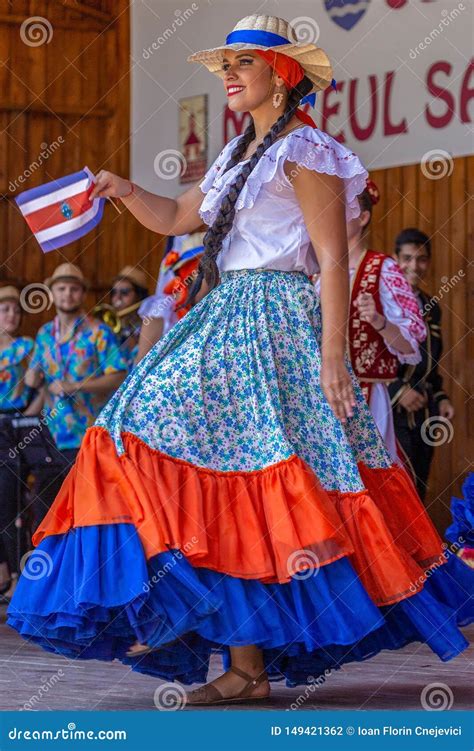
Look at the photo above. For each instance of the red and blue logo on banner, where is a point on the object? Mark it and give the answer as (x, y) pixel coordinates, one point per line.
(347, 13)
(61, 211)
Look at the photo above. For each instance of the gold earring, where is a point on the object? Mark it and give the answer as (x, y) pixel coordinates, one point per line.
(277, 99)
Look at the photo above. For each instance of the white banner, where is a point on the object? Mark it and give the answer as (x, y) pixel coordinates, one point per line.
(404, 73)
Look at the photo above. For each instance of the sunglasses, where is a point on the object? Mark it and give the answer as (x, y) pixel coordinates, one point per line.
(121, 291)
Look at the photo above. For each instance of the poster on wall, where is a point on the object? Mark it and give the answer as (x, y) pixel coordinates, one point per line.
(193, 137)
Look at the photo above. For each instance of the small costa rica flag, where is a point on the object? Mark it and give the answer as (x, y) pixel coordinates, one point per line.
(60, 212)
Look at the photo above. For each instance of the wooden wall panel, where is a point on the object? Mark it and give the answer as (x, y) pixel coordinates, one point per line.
(77, 88)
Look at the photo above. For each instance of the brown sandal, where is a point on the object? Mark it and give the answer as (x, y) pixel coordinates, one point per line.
(209, 694)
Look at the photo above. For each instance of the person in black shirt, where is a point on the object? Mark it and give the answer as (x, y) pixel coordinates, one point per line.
(417, 394)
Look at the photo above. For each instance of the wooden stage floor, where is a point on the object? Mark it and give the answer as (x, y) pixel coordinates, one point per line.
(391, 680)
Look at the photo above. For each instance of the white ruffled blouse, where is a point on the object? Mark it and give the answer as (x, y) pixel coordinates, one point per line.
(269, 230)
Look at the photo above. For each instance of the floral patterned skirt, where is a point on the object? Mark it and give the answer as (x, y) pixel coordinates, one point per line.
(218, 502)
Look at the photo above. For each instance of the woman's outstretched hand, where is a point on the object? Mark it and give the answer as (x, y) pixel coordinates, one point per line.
(336, 384)
(109, 185)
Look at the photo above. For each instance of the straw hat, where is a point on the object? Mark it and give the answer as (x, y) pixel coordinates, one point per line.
(9, 293)
(269, 33)
(133, 275)
(66, 272)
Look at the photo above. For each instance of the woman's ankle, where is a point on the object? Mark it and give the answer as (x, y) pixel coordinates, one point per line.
(252, 668)
(248, 658)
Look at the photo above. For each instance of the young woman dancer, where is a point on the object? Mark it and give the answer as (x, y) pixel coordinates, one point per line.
(234, 494)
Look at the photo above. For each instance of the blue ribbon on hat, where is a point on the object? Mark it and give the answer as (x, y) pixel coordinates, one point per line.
(254, 36)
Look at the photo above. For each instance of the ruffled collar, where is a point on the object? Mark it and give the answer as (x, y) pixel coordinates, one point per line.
(307, 146)
(227, 150)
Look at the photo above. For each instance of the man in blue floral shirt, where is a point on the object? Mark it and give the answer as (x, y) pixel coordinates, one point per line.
(78, 362)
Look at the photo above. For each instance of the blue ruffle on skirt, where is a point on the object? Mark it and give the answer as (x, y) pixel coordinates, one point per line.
(90, 594)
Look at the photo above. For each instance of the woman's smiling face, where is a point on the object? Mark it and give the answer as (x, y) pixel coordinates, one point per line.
(247, 80)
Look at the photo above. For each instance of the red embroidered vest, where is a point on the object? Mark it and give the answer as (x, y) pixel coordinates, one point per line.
(371, 360)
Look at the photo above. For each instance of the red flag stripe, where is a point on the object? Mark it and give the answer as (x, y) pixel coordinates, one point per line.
(51, 215)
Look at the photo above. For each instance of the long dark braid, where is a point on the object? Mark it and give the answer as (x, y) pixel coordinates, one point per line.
(222, 224)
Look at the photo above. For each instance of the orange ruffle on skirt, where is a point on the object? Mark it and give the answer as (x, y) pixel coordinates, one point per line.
(402, 510)
(248, 524)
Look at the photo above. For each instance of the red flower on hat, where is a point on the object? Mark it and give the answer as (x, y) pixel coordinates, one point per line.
(179, 285)
(171, 258)
(373, 191)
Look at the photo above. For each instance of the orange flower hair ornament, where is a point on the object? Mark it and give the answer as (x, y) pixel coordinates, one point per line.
(373, 191)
